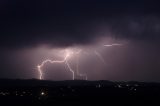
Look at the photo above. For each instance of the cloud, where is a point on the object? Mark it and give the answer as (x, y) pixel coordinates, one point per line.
(32, 23)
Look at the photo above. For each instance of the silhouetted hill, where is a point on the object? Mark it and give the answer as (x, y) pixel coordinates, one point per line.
(35, 91)
(36, 82)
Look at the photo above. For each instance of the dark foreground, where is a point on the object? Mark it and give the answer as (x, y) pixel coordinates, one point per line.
(35, 92)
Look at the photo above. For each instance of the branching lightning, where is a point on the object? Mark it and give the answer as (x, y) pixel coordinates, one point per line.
(69, 53)
(65, 60)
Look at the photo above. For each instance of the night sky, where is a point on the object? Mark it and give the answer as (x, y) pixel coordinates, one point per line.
(34, 30)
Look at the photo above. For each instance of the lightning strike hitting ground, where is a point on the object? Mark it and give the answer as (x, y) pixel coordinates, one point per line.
(65, 60)
(77, 68)
(68, 54)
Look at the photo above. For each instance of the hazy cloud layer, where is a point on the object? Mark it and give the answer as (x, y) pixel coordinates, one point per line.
(64, 23)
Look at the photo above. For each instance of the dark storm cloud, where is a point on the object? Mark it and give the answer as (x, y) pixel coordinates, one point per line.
(29, 23)
(64, 23)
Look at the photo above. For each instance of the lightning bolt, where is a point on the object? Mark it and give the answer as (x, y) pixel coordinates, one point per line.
(107, 45)
(68, 54)
(65, 60)
(99, 56)
(77, 67)
(115, 44)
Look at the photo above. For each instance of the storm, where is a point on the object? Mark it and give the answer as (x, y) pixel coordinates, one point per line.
(83, 39)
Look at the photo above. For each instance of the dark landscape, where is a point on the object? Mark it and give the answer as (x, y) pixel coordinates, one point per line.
(29, 92)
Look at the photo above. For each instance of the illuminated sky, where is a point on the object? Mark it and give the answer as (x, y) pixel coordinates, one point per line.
(33, 31)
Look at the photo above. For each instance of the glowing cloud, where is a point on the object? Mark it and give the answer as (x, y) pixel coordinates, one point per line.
(68, 54)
